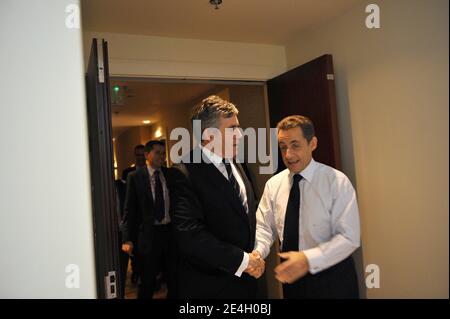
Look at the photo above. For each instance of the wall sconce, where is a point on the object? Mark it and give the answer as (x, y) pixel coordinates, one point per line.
(158, 133)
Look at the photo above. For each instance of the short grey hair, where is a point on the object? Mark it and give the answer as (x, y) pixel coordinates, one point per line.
(211, 109)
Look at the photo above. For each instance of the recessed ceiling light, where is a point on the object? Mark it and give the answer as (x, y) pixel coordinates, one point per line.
(146, 121)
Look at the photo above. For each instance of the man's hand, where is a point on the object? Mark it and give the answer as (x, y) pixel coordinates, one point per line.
(293, 268)
(256, 265)
(128, 247)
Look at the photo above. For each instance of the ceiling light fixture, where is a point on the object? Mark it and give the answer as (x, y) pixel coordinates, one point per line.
(146, 121)
(215, 3)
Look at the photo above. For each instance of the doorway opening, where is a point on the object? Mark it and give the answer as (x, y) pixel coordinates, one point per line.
(144, 109)
(125, 112)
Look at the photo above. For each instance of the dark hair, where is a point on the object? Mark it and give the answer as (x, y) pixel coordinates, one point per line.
(211, 109)
(149, 145)
(138, 147)
(305, 124)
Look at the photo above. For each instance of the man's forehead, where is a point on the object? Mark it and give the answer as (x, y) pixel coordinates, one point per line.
(229, 121)
(287, 140)
(290, 134)
(157, 147)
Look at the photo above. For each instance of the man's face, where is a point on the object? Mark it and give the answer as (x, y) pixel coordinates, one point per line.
(295, 149)
(156, 156)
(139, 157)
(230, 135)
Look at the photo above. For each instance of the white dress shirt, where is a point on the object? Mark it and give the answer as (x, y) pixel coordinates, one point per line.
(151, 172)
(218, 163)
(329, 228)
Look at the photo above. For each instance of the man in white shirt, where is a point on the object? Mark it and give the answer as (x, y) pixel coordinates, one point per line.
(312, 209)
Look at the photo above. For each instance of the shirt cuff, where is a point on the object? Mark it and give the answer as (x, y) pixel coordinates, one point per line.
(243, 266)
(263, 251)
(315, 259)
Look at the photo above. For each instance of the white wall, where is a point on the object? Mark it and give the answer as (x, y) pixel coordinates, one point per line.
(162, 57)
(392, 96)
(45, 202)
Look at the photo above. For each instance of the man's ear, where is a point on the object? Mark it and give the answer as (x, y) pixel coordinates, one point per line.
(207, 136)
(313, 143)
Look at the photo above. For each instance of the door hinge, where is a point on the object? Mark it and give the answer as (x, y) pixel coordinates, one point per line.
(111, 285)
(100, 64)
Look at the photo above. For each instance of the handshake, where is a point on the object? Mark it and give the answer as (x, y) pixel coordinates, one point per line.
(256, 265)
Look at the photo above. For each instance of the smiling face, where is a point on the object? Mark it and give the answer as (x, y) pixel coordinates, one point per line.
(296, 151)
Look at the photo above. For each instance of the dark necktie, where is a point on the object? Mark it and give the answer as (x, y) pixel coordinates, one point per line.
(291, 221)
(159, 198)
(233, 180)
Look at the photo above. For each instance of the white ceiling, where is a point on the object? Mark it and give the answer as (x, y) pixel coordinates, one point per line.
(254, 21)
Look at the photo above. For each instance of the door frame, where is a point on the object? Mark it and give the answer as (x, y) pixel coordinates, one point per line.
(268, 286)
(103, 197)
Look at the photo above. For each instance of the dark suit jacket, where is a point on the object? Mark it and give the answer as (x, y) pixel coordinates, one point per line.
(127, 171)
(139, 214)
(121, 189)
(213, 230)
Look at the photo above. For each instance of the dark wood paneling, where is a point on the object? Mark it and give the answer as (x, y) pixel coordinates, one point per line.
(308, 90)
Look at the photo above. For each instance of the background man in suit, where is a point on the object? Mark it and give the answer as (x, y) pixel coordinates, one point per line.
(213, 209)
(148, 227)
(121, 189)
(312, 209)
(139, 155)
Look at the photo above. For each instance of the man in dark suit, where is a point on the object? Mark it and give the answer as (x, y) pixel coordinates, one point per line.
(213, 209)
(148, 227)
(121, 188)
(139, 155)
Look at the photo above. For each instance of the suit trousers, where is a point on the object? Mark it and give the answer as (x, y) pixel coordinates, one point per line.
(337, 282)
(160, 259)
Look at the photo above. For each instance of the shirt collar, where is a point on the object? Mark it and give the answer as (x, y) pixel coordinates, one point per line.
(212, 157)
(307, 172)
(151, 170)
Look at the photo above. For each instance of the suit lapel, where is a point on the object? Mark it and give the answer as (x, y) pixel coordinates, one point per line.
(248, 187)
(144, 181)
(216, 177)
(250, 196)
